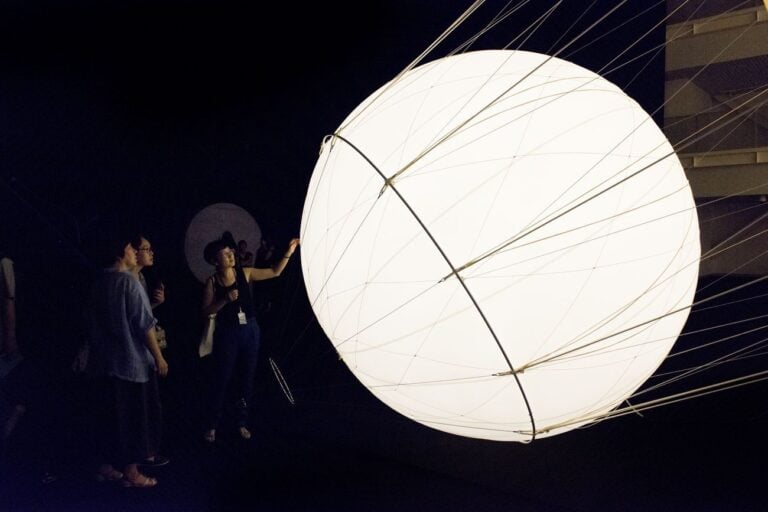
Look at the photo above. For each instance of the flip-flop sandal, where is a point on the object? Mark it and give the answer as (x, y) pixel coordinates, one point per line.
(244, 433)
(140, 481)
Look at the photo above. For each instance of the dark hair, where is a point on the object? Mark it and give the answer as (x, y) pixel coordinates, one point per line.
(109, 247)
(136, 240)
(229, 239)
(212, 249)
(106, 239)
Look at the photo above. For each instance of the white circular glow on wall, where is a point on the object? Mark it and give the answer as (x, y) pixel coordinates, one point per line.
(564, 213)
(209, 224)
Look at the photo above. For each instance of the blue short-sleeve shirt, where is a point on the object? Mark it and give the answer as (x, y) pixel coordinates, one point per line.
(120, 317)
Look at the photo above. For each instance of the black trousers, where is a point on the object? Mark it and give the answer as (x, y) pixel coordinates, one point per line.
(128, 420)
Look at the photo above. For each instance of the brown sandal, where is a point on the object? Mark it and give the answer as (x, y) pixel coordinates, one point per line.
(139, 480)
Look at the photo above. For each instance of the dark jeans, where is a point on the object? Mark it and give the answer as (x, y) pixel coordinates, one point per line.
(235, 354)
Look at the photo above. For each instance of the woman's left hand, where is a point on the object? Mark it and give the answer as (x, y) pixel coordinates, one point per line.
(158, 295)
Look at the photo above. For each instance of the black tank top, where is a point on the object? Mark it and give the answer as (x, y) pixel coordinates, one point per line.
(228, 314)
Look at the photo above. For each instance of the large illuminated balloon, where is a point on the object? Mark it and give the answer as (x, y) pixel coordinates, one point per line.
(496, 244)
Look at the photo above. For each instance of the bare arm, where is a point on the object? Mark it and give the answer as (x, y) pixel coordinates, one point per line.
(211, 305)
(154, 348)
(260, 274)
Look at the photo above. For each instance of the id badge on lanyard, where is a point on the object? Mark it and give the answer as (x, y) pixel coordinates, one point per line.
(241, 317)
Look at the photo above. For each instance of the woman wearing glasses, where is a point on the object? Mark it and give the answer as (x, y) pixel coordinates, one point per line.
(145, 257)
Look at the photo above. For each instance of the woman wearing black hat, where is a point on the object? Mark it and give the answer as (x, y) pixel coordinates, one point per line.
(227, 294)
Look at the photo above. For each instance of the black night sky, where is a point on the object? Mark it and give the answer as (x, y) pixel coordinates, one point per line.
(154, 110)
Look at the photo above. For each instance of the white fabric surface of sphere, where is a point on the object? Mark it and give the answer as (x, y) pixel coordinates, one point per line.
(560, 203)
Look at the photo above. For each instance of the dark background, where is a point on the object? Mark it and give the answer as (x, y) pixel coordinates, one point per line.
(150, 111)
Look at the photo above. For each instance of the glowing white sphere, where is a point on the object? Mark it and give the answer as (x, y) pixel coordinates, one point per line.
(562, 207)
